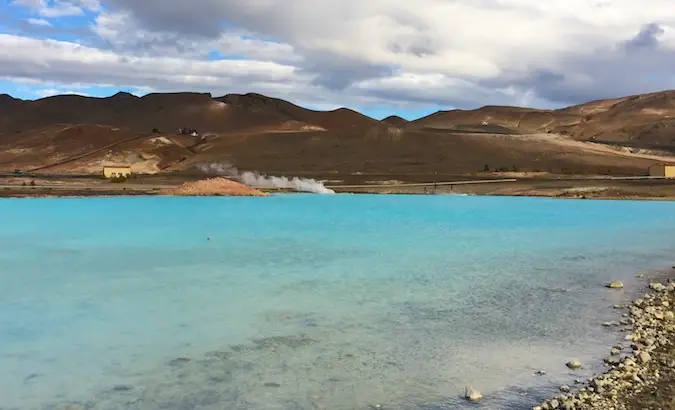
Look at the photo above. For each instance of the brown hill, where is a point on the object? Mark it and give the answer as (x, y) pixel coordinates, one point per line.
(255, 132)
(396, 121)
(86, 148)
(169, 112)
(646, 121)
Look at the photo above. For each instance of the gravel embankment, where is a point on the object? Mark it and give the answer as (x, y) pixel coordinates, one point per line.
(641, 371)
(213, 187)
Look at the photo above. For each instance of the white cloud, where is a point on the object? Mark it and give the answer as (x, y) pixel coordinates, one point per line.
(52, 60)
(39, 22)
(48, 92)
(61, 9)
(463, 52)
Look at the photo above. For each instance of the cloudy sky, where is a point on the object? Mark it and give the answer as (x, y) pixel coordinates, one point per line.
(378, 56)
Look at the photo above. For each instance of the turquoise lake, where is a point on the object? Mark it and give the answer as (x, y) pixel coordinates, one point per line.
(306, 301)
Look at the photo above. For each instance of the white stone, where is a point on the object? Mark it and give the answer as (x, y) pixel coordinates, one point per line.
(472, 394)
(574, 364)
(617, 284)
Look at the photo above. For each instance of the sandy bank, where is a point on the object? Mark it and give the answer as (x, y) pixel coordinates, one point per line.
(641, 371)
(213, 187)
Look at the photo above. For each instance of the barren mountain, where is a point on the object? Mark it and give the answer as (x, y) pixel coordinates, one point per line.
(169, 112)
(396, 121)
(80, 134)
(645, 121)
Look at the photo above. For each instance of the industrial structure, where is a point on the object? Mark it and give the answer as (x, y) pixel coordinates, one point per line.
(117, 171)
(662, 170)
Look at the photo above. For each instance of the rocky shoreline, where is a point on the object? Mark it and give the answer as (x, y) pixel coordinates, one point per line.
(641, 371)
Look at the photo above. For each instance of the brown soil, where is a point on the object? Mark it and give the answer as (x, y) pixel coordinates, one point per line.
(646, 120)
(213, 187)
(396, 121)
(269, 135)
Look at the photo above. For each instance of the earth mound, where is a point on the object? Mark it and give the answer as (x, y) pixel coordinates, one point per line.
(214, 187)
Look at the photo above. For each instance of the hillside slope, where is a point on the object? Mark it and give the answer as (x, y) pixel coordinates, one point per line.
(169, 112)
(80, 134)
(646, 120)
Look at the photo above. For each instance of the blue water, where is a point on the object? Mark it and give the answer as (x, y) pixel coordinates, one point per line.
(312, 302)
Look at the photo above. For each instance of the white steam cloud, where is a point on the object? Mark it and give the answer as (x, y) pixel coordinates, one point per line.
(257, 180)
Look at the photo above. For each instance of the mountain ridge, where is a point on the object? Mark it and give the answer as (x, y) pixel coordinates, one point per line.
(78, 133)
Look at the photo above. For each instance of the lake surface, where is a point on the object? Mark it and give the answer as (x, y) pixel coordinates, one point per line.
(312, 301)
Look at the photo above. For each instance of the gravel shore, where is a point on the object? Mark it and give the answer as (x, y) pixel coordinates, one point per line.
(641, 370)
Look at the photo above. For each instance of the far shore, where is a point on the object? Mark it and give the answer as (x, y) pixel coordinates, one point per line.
(561, 186)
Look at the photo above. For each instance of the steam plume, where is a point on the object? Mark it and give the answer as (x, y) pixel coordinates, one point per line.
(257, 180)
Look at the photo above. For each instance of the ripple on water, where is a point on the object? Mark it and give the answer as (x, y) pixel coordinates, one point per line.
(308, 302)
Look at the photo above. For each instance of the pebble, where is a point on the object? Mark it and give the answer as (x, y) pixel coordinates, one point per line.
(573, 364)
(658, 287)
(617, 284)
(540, 372)
(644, 357)
(565, 389)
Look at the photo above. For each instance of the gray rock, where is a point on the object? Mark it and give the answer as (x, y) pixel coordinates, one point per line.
(615, 352)
(472, 394)
(554, 403)
(540, 372)
(565, 389)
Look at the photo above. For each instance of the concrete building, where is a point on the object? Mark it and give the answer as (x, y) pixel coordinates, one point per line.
(662, 170)
(117, 171)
